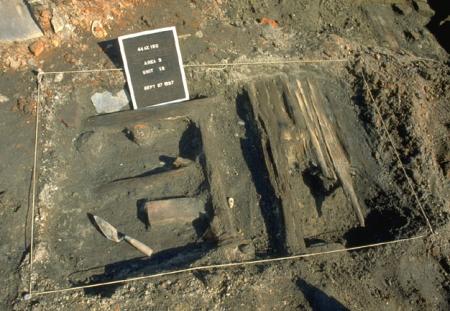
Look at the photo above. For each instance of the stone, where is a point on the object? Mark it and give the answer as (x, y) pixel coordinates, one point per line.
(3, 99)
(106, 102)
(199, 34)
(142, 134)
(58, 77)
(98, 30)
(13, 63)
(16, 23)
(181, 162)
(57, 22)
(37, 48)
(44, 20)
(32, 62)
(269, 21)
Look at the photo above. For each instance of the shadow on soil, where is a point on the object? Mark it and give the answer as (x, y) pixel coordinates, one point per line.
(385, 222)
(166, 260)
(112, 50)
(319, 300)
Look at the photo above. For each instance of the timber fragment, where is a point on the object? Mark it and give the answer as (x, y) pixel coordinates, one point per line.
(298, 136)
(277, 130)
(178, 210)
(329, 150)
(190, 177)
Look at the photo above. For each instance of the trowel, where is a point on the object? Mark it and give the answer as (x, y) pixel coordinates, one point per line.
(112, 234)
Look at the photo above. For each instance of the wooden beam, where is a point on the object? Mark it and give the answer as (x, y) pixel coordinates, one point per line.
(276, 138)
(189, 178)
(190, 110)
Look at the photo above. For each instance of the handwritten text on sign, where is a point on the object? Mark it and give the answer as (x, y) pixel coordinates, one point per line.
(153, 67)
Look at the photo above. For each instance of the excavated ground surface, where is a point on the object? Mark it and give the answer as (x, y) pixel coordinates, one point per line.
(307, 152)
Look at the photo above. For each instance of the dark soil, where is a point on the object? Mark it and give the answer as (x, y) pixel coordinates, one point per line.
(242, 136)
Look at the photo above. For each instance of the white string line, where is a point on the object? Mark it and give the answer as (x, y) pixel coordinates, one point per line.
(377, 109)
(33, 187)
(269, 62)
(226, 265)
(82, 71)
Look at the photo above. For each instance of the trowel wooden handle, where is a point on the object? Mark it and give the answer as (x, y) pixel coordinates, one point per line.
(144, 249)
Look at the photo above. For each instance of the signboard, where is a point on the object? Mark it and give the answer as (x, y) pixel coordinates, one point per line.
(153, 67)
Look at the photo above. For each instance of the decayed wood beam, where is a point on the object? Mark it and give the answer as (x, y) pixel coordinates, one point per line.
(189, 178)
(223, 226)
(328, 149)
(184, 110)
(315, 135)
(276, 135)
(295, 131)
(178, 210)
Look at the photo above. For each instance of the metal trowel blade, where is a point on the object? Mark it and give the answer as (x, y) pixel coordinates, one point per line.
(108, 230)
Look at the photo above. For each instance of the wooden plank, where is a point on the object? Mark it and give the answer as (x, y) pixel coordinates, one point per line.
(276, 135)
(191, 110)
(189, 177)
(315, 134)
(296, 132)
(326, 144)
(223, 225)
(178, 210)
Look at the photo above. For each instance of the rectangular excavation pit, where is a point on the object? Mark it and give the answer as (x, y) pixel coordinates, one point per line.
(281, 167)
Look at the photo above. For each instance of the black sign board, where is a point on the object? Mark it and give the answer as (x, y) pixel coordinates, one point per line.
(153, 67)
